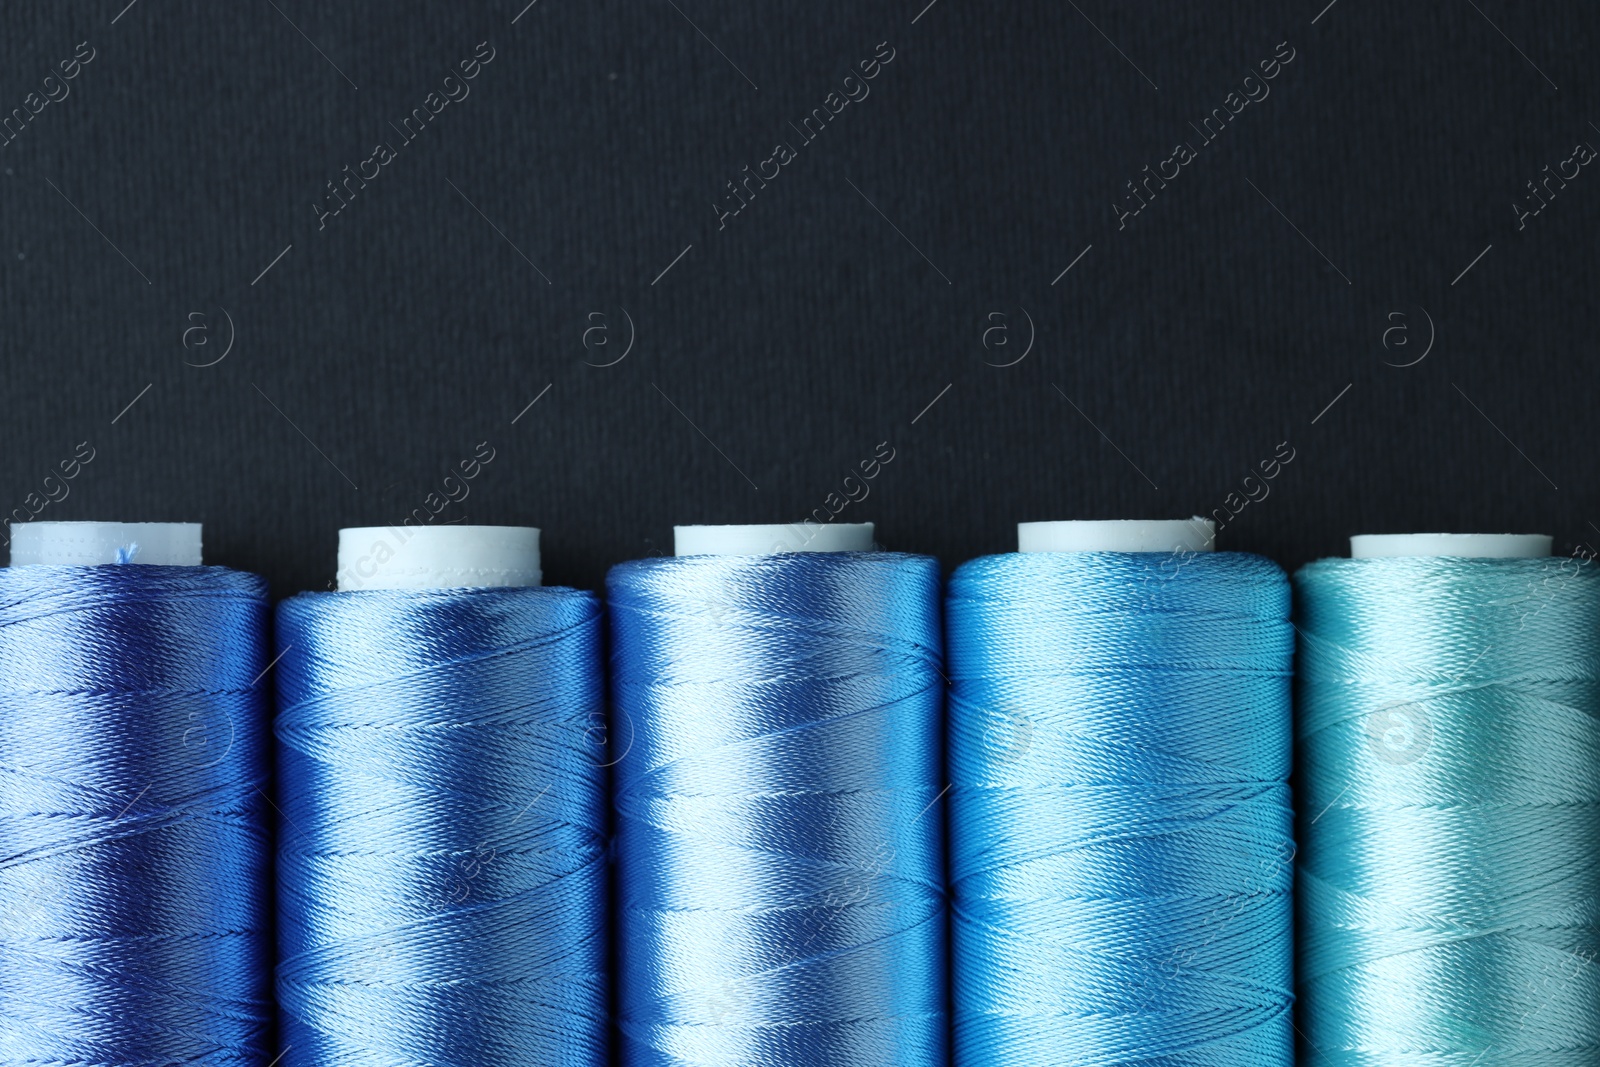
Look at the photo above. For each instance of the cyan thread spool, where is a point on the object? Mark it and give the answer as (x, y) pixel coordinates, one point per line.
(135, 864)
(1449, 779)
(442, 852)
(1119, 744)
(779, 849)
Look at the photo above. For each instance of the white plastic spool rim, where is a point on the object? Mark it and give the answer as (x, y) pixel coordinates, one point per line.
(438, 557)
(1118, 535)
(91, 544)
(1468, 546)
(771, 539)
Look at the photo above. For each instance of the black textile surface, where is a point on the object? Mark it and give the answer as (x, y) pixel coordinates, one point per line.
(1082, 259)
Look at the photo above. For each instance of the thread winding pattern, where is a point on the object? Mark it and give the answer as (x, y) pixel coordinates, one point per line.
(1121, 860)
(1449, 722)
(780, 866)
(441, 858)
(134, 852)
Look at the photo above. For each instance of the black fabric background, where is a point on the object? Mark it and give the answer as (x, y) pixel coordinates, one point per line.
(1178, 352)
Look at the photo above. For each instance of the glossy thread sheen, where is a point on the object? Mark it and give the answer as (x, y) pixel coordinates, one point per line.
(780, 867)
(1449, 722)
(441, 869)
(1121, 863)
(134, 851)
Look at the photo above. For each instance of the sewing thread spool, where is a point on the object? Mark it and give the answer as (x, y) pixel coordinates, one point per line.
(1449, 729)
(780, 869)
(134, 852)
(1121, 861)
(441, 863)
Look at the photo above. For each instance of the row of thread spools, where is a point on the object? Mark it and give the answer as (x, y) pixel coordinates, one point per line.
(833, 813)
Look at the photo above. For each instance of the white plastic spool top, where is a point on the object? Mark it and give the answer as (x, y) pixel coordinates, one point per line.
(89, 544)
(1118, 535)
(438, 557)
(769, 540)
(1470, 546)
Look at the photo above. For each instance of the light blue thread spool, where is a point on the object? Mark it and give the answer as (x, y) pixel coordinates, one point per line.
(442, 852)
(1120, 850)
(779, 831)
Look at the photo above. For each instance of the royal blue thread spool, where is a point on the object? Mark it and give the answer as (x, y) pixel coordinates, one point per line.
(780, 865)
(1119, 813)
(134, 851)
(442, 855)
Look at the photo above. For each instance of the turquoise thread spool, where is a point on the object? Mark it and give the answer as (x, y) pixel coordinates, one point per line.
(1449, 778)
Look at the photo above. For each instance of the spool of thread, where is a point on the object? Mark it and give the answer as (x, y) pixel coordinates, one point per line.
(780, 869)
(134, 853)
(441, 863)
(1449, 727)
(1121, 860)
